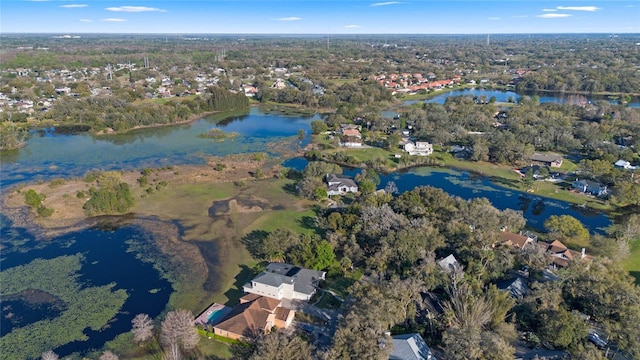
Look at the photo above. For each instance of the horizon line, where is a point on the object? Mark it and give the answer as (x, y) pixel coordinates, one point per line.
(319, 33)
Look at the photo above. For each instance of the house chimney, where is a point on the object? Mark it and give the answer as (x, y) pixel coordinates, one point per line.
(583, 254)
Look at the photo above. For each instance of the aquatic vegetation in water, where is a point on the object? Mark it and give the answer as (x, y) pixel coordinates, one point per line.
(216, 133)
(83, 307)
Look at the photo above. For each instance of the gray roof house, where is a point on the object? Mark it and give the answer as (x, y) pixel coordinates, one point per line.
(449, 264)
(517, 287)
(338, 185)
(285, 281)
(410, 347)
(591, 187)
(552, 160)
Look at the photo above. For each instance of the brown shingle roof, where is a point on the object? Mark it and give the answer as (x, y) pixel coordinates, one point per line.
(512, 239)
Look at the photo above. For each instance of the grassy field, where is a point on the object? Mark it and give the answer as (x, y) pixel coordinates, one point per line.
(258, 205)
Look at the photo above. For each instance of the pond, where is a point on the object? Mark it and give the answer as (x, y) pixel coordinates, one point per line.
(504, 96)
(110, 256)
(470, 186)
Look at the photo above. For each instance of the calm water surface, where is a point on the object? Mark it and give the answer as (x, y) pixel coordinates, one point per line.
(470, 186)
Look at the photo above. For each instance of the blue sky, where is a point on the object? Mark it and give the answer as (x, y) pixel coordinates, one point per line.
(319, 17)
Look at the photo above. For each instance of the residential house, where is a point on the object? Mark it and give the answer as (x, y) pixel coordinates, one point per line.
(562, 256)
(250, 90)
(624, 165)
(551, 160)
(254, 315)
(410, 347)
(284, 281)
(519, 241)
(590, 187)
(279, 84)
(351, 136)
(420, 148)
(517, 287)
(449, 264)
(338, 185)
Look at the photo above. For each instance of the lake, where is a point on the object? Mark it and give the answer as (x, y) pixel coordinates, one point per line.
(50, 155)
(110, 256)
(466, 185)
(503, 96)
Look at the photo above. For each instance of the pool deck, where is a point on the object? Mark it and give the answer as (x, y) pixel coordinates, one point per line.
(203, 318)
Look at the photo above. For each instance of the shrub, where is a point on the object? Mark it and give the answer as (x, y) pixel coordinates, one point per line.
(33, 199)
(56, 182)
(44, 211)
(143, 181)
(110, 200)
(81, 194)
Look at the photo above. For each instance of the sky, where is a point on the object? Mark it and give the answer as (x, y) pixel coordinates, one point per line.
(319, 17)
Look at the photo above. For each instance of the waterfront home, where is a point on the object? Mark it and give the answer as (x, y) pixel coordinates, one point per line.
(519, 241)
(338, 185)
(561, 256)
(420, 148)
(590, 187)
(551, 160)
(284, 281)
(255, 315)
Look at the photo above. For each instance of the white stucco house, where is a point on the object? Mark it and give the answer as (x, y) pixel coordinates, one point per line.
(420, 148)
(285, 281)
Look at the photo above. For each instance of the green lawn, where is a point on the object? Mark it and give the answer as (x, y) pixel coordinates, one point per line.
(632, 263)
(340, 285)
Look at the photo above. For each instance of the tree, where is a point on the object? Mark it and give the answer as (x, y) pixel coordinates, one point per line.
(49, 355)
(142, 328)
(567, 227)
(278, 345)
(178, 333)
(108, 355)
(318, 127)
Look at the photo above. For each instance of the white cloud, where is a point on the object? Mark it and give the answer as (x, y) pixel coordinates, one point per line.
(553, 16)
(352, 26)
(86, 20)
(386, 3)
(578, 8)
(520, 16)
(630, 6)
(38, 0)
(72, 6)
(493, 18)
(134, 9)
(114, 20)
(291, 18)
(549, 10)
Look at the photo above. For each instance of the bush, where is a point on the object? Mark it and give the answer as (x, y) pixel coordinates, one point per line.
(110, 200)
(56, 182)
(44, 211)
(81, 194)
(143, 181)
(33, 199)
(91, 176)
